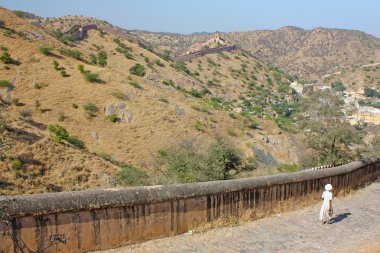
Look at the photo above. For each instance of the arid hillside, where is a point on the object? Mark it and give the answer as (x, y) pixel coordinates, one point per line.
(121, 103)
(357, 79)
(307, 53)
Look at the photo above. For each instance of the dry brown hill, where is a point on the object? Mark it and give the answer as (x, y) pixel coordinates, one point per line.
(307, 53)
(167, 105)
(357, 78)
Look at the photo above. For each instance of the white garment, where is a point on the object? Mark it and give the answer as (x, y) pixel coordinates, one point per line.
(324, 213)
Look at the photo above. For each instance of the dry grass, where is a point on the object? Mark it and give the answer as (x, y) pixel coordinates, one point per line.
(153, 125)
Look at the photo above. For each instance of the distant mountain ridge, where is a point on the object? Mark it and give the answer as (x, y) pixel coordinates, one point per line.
(307, 53)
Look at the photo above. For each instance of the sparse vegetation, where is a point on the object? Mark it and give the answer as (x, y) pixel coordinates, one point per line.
(113, 118)
(4, 84)
(91, 109)
(71, 53)
(130, 175)
(102, 58)
(91, 77)
(5, 57)
(37, 85)
(137, 70)
(64, 74)
(56, 65)
(136, 85)
(80, 67)
(45, 50)
(120, 95)
(59, 134)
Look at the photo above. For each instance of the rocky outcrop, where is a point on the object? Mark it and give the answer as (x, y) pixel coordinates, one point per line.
(120, 110)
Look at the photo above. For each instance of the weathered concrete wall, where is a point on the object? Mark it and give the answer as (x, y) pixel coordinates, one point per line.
(191, 56)
(101, 219)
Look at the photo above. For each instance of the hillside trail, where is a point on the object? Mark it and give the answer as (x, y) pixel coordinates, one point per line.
(355, 227)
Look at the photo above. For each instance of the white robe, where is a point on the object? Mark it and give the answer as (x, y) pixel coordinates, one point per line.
(324, 213)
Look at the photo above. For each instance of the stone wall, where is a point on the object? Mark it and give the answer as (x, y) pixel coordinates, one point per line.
(101, 219)
(191, 56)
(78, 35)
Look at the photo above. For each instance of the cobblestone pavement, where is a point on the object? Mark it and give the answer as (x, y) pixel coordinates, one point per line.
(356, 225)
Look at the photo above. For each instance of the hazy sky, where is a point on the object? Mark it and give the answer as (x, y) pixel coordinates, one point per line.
(185, 16)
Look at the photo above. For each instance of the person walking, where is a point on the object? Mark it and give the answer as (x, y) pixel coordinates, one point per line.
(326, 208)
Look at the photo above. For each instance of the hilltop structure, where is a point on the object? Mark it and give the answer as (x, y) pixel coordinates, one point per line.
(215, 42)
(213, 45)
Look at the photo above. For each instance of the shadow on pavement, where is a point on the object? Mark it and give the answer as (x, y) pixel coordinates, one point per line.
(339, 217)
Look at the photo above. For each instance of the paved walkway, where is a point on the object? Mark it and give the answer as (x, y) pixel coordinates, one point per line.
(356, 225)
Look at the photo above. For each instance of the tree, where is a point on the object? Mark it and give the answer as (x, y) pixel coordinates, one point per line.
(368, 92)
(338, 86)
(186, 162)
(330, 137)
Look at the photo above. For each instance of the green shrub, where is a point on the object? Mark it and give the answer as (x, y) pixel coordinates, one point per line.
(80, 67)
(71, 53)
(104, 156)
(137, 70)
(159, 63)
(91, 77)
(58, 133)
(75, 106)
(5, 57)
(45, 50)
(169, 83)
(64, 74)
(93, 59)
(253, 125)
(113, 118)
(37, 85)
(61, 116)
(56, 65)
(287, 167)
(102, 58)
(19, 13)
(338, 86)
(120, 95)
(136, 85)
(130, 175)
(91, 109)
(181, 66)
(76, 142)
(165, 100)
(4, 84)
(16, 164)
(233, 115)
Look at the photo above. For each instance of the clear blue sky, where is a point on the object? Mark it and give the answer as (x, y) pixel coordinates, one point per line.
(185, 16)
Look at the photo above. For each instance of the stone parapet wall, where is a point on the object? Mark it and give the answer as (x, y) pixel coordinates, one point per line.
(194, 55)
(101, 219)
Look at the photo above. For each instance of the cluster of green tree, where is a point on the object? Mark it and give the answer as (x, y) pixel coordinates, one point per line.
(330, 137)
(187, 163)
(369, 92)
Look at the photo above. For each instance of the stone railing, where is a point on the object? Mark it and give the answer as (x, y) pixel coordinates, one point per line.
(102, 219)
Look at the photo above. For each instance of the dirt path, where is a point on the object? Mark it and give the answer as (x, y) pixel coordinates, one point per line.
(355, 228)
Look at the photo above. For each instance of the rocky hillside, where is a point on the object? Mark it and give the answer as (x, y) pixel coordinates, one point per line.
(358, 78)
(121, 103)
(307, 53)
